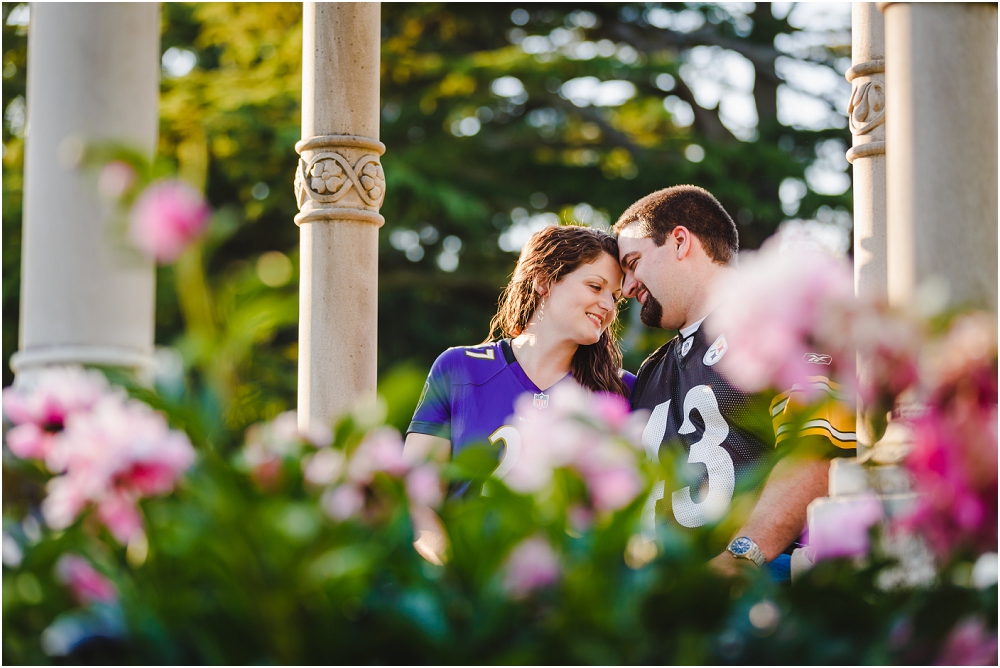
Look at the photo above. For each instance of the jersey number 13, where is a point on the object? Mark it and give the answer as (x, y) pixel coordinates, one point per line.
(707, 450)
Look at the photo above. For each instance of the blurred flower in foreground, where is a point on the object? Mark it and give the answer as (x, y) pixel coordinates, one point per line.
(108, 450)
(792, 314)
(166, 218)
(969, 644)
(591, 434)
(843, 529)
(269, 443)
(774, 315)
(345, 480)
(87, 585)
(112, 456)
(40, 413)
(532, 565)
(954, 458)
(115, 179)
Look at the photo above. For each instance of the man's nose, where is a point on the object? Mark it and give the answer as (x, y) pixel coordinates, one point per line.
(630, 286)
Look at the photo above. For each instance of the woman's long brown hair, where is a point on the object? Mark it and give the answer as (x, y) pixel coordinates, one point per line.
(547, 258)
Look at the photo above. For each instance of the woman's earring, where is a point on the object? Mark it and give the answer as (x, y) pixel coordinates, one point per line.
(541, 310)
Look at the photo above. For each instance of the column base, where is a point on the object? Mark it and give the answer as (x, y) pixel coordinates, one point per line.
(27, 363)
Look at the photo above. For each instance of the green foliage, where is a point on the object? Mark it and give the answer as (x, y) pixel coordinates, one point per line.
(230, 124)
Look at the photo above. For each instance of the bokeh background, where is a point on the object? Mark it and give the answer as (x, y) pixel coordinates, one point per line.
(499, 119)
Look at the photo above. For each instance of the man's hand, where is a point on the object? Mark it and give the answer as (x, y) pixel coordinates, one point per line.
(729, 566)
(780, 514)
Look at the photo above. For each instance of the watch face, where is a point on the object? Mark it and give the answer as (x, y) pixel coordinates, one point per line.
(740, 546)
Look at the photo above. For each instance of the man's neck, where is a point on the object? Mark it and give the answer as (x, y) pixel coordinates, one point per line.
(706, 298)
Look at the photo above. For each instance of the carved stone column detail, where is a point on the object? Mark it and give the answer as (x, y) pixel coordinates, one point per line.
(339, 187)
(339, 177)
(866, 109)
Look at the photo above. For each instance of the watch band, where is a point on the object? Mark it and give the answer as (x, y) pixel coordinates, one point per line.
(742, 547)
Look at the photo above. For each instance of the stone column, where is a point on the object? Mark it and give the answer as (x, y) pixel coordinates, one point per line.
(941, 135)
(866, 118)
(339, 185)
(93, 75)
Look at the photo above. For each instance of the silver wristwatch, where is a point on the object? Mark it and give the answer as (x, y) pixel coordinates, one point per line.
(744, 548)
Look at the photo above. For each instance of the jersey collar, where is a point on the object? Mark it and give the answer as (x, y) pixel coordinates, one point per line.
(691, 329)
(522, 377)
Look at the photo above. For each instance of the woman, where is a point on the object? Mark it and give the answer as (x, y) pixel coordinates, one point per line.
(553, 326)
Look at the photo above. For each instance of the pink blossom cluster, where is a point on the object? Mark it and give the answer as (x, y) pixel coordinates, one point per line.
(168, 216)
(532, 565)
(594, 435)
(348, 479)
(954, 458)
(107, 451)
(791, 314)
(842, 528)
(84, 581)
(969, 644)
(270, 443)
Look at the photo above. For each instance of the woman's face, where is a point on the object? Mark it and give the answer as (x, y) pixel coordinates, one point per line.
(582, 304)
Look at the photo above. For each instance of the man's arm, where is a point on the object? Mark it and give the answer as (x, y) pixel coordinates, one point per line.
(780, 514)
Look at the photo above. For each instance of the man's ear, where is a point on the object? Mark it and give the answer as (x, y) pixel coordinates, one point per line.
(683, 240)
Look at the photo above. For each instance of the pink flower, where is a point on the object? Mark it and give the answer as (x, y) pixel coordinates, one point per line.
(87, 585)
(613, 488)
(166, 218)
(343, 502)
(423, 486)
(954, 457)
(777, 312)
(839, 528)
(112, 456)
(591, 434)
(115, 179)
(532, 565)
(40, 412)
(323, 467)
(381, 450)
(268, 443)
(969, 644)
(120, 514)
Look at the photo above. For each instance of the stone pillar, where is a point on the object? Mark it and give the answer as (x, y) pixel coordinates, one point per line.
(339, 185)
(93, 75)
(866, 118)
(941, 137)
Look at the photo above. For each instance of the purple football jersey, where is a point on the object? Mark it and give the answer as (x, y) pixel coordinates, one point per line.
(469, 399)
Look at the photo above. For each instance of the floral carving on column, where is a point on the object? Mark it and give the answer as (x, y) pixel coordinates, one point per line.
(341, 170)
(866, 110)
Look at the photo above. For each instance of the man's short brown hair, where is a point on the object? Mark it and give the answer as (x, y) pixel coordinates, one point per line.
(695, 208)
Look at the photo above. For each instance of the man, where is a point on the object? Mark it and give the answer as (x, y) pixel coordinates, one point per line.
(675, 245)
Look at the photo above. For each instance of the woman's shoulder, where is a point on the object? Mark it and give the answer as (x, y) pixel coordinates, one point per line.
(629, 378)
(471, 364)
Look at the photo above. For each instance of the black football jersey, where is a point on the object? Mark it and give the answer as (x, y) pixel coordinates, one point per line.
(725, 432)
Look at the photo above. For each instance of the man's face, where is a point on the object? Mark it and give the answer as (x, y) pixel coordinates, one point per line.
(653, 276)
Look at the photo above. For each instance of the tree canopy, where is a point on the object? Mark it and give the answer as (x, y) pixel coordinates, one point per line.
(498, 118)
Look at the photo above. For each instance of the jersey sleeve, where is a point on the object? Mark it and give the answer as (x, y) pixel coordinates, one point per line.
(628, 378)
(830, 417)
(433, 413)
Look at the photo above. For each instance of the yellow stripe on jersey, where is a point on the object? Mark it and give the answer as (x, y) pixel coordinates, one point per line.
(833, 417)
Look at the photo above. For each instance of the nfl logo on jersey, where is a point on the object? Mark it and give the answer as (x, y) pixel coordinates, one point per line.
(541, 400)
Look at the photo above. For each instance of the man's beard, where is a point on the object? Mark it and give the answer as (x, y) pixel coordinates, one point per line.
(651, 314)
